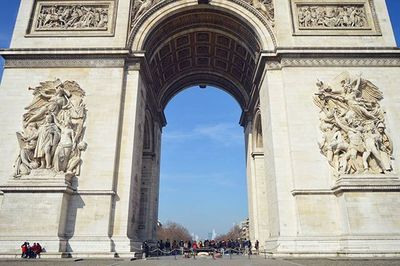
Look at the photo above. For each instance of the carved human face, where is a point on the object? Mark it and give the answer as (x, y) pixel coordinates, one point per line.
(49, 119)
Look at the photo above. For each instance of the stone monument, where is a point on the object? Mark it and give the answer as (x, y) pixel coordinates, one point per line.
(82, 98)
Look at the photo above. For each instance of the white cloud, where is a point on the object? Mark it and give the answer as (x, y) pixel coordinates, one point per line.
(224, 133)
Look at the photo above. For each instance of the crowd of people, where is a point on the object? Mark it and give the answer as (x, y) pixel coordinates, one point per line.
(31, 252)
(175, 247)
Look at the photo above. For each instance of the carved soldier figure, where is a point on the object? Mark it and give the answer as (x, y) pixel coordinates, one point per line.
(76, 161)
(48, 138)
(372, 142)
(27, 141)
(386, 147)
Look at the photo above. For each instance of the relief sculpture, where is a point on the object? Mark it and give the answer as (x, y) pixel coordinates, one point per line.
(71, 17)
(53, 130)
(354, 137)
(332, 16)
(264, 6)
(139, 7)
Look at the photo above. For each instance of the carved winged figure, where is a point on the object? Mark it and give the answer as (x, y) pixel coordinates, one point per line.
(140, 7)
(49, 97)
(264, 6)
(352, 122)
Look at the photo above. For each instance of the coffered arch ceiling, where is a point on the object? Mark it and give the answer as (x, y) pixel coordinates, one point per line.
(202, 46)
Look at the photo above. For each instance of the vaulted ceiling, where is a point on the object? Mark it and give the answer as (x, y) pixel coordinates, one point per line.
(202, 46)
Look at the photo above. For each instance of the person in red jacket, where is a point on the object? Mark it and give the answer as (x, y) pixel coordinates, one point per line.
(38, 249)
(24, 249)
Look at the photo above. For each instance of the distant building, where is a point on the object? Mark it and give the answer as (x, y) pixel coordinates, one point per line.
(244, 229)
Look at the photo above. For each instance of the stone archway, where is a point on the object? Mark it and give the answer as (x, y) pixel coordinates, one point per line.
(197, 44)
(121, 64)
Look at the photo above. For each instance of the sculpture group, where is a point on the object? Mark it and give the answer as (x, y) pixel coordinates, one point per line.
(72, 17)
(53, 130)
(354, 136)
(326, 16)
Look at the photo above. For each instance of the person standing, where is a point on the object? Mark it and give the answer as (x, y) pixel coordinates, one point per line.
(257, 246)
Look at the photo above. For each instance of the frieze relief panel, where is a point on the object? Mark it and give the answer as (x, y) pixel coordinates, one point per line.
(73, 18)
(52, 139)
(350, 17)
(352, 122)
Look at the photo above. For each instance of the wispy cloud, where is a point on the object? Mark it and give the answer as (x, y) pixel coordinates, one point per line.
(217, 179)
(224, 133)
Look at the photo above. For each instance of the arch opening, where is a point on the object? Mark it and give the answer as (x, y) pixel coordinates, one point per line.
(202, 156)
(203, 45)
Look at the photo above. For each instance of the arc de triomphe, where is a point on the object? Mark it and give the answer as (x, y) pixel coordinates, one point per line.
(82, 99)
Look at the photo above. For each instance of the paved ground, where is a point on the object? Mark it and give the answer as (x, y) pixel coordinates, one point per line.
(235, 261)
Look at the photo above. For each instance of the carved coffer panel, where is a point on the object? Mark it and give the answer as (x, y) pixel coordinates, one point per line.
(322, 17)
(72, 18)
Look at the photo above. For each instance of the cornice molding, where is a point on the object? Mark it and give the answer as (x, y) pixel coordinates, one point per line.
(345, 58)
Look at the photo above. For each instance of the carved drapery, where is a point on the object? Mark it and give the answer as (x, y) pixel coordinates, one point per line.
(73, 18)
(51, 141)
(354, 137)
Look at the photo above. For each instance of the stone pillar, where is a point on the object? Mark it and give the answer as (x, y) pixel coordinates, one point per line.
(261, 194)
(150, 182)
(153, 209)
(129, 163)
(277, 158)
(252, 200)
(258, 198)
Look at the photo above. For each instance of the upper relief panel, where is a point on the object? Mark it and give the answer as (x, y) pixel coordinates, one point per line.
(71, 18)
(354, 17)
(333, 23)
(86, 23)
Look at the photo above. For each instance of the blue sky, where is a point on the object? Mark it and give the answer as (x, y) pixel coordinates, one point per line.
(203, 178)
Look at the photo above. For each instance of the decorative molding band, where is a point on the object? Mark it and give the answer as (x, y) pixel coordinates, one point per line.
(366, 182)
(305, 191)
(257, 154)
(356, 183)
(332, 62)
(95, 192)
(57, 62)
(73, 18)
(29, 188)
(333, 17)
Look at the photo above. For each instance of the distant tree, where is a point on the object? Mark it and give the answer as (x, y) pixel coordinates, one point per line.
(173, 231)
(233, 233)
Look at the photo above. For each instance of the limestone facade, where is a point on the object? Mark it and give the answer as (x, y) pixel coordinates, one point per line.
(131, 57)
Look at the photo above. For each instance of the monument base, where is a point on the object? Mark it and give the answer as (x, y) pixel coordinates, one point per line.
(368, 215)
(34, 209)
